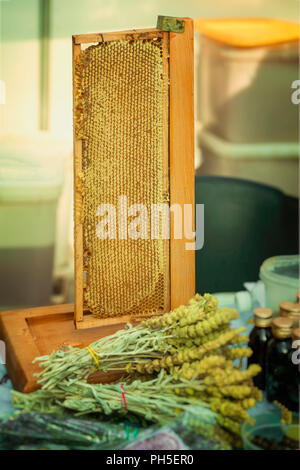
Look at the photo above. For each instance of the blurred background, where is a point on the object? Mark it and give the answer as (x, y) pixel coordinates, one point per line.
(246, 136)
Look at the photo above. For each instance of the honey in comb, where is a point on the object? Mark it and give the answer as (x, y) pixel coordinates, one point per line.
(120, 91)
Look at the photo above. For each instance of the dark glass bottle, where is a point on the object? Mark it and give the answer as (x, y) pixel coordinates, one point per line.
(278, 362)
(294, 383)
(259, 338)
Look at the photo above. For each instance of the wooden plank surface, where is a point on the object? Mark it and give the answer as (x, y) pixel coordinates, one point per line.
(90, 321)
(101, 377)
(36, 332)
(182, 157)
(20, 350)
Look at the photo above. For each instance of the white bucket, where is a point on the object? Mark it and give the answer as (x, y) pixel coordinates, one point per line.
(245, 93)
(31, 179)
(275, 164)
(280, 275)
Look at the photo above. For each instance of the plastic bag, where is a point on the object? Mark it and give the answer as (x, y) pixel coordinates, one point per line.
(44, 431)
(186, 433)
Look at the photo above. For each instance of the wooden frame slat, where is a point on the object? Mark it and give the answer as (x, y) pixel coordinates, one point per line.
(149, 33)
(166, 160)
(182, 261)
(78, 228)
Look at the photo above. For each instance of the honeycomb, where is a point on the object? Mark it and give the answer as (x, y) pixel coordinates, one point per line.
(121, 94)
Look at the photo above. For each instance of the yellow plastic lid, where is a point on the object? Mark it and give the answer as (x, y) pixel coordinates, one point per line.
(249, 32)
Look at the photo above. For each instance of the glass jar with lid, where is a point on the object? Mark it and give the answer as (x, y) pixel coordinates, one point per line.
(291, 310)
(278, 370)
(259, 338)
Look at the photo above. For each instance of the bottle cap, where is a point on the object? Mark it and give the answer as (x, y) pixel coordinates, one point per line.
(291, 310)
(263, 317)
(282, 327)
(296, 333)
(289, 307)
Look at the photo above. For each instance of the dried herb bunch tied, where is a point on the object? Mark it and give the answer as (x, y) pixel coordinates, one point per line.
(188, 357)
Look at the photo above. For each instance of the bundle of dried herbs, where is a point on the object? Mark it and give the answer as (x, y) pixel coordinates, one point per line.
(183, 358)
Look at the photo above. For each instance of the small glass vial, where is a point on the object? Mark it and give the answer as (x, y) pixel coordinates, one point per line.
(259, 338)
(278, 362)
(293, 389)
(291, 310)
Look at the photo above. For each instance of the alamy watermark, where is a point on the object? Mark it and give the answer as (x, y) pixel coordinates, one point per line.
(295, 97)
(296, 354)
(137, 222)
(2, 92)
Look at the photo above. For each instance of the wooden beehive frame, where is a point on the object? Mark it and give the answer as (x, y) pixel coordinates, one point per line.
(178, 142)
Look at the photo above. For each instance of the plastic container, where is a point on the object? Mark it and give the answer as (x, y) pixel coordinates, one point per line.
(268, 426)
(243, 300)
(280, 275)
(32, 172)
(244, 223)
(63, 259)
(275, 164)
(245, 92)
(249, 32)
(249, 124)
